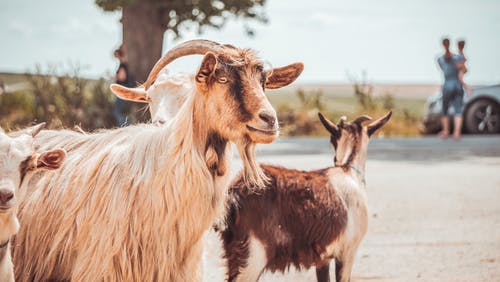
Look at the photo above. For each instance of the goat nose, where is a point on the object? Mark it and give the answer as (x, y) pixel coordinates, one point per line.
(161, 122)
(5, 196)
(268, 118)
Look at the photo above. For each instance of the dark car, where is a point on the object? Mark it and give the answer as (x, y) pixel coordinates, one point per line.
(481, 111)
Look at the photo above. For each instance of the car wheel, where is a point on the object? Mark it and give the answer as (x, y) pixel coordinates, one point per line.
(483, 117)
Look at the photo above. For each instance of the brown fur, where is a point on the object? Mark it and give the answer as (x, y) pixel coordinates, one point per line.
(291, 204)
(214, 154)
(26, 166)
(281, 76)
(302, 218)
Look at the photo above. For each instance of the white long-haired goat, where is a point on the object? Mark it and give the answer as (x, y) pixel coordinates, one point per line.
(17, 159)
(132, 204)
(164, 98)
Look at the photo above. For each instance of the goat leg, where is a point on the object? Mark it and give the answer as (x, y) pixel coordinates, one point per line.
(323, 273)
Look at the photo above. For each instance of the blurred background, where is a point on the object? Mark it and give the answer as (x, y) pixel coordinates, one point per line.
(434, 212)
(56, 57)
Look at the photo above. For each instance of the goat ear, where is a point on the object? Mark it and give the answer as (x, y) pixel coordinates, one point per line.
(51, 159)
(330, 126)
(283, 76)
(376, 125)
(207, 67)
(137, 94)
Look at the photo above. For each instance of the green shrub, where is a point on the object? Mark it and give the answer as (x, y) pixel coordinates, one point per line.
(60, 100)
(300, 118)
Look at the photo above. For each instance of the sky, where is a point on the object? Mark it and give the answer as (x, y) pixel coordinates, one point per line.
(393, 41)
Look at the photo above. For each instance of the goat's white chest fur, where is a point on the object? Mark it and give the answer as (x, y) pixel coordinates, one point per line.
(353, 196)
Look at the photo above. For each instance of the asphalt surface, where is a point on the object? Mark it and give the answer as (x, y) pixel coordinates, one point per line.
(411, 149)
(434, 209)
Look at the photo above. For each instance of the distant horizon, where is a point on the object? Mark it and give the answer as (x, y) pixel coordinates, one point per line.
(399, 44)
(298, 83)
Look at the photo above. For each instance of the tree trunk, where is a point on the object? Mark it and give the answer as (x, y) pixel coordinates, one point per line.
(143, 38)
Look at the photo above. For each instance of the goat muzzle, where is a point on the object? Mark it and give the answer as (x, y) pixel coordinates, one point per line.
(6, 195)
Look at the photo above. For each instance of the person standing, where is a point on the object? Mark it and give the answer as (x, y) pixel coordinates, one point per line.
(452, 92)
(123, 78)
(462, 68)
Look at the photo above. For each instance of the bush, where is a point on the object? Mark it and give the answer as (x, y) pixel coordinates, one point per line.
(60, 100)
(301, 120)
(402, 123)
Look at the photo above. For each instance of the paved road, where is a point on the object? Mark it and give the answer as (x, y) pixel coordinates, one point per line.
(412, 149)
(434, 208)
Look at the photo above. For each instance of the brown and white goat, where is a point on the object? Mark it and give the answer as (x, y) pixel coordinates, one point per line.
(303, 218)
(17, 158)
(132, 204)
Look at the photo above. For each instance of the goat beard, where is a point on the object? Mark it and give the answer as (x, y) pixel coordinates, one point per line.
(253, 176)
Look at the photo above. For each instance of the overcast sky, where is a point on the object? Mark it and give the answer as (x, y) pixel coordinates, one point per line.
(392, 40)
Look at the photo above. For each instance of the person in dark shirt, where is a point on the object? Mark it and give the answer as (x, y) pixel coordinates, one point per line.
(122, 77)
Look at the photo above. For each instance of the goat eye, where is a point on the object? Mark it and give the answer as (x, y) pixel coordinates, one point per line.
(222, 80)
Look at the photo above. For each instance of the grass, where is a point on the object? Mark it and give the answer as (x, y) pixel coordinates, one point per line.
(406, 120)
(297, 114)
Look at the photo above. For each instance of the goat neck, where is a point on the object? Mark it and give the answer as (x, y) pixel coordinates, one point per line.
(350, 152)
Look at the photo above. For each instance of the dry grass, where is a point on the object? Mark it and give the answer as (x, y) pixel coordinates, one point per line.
(297, 107)
(298, 116)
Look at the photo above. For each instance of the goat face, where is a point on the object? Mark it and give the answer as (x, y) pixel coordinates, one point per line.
(165, 97)
(349, 138)
(233, 83)
(14, 153)
(18, 157)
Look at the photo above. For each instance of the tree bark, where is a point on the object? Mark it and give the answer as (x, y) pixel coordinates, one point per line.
(143, 38)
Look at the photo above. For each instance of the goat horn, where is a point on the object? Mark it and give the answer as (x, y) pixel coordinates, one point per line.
(34, 130)
(191, 47)
(361, 119)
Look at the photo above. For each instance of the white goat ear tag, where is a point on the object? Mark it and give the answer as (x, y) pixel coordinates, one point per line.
(131, 94)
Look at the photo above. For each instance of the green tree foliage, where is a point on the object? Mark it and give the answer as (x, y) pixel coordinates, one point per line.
(172, 14)
(144, 23)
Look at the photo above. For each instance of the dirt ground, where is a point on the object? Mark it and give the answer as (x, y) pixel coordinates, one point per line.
(435, 220)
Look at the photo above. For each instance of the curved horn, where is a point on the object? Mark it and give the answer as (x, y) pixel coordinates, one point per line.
(361, 119)
(191, 47)
(34, 130)
(330, 126)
